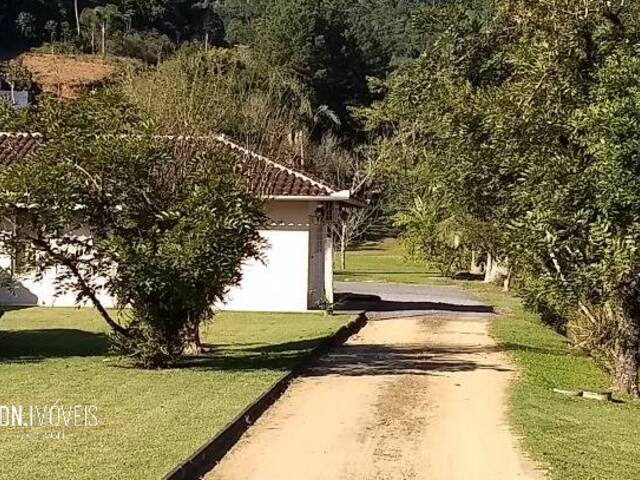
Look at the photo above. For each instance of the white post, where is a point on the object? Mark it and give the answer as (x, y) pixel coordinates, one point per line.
(328, 265)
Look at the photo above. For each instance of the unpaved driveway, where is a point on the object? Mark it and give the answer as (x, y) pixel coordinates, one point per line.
(420, 397)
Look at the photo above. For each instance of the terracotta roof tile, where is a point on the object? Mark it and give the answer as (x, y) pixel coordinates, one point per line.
(270, 178)
(266, 177)
(16, 146)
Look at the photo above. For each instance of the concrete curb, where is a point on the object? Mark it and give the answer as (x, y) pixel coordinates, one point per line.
(209, 454)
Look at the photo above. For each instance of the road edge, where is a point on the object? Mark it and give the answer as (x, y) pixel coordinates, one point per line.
(214, 449)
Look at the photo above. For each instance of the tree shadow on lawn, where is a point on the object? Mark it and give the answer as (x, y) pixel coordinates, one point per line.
(305, 344)
(26, 346)
(366, 246)
(369, 273)
(279, 356)
(19, 346)
(558, 352)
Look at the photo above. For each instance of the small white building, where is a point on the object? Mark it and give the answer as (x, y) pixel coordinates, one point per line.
(296, 273)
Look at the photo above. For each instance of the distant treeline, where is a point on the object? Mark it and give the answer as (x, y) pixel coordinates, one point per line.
(379, 24)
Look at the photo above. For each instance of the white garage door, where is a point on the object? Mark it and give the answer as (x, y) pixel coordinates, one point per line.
(280, 284)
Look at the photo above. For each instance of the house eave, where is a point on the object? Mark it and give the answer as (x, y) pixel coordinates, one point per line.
(343, 196)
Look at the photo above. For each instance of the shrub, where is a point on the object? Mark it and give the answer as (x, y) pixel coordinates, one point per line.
(164, 226)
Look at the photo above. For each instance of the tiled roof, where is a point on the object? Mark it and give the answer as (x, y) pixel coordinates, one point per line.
(16, 146)
(270, 178)
(266, 177)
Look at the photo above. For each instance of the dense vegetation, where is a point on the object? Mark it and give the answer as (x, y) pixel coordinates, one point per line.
(163, 226)
(498, 135)
(519, 127)
(330, 47)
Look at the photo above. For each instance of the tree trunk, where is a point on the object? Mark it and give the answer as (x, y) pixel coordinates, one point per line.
(476, 266)
(191, 344)
(75, 9)
(343, 247)
(496, 270)
(488, 268)
(626, 352)
(93, 40)
(103, 30)
(506, 284)
(625, 370)
(83, 286)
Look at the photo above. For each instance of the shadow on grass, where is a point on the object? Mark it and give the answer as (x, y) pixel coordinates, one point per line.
(35, 345)
(468, 277)
(517, 347)
(369, 273)
(9, 308)
(348, 360)
(367, 247)
(30, 346)
(279, 356)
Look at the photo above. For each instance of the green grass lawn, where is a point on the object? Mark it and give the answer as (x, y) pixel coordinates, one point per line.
(386, 262)
(148, 420)
(575, 439)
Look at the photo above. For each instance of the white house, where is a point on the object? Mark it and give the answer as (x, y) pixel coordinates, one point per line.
(297, 271)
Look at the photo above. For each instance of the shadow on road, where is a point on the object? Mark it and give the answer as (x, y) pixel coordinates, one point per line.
(357, 360)
(395, 306)
(352, 302)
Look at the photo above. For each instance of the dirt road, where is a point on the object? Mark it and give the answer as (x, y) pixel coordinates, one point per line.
(406, 398)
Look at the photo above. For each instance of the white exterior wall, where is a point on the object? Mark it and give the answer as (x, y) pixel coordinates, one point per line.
(283, 283)
(31, 292)
(280, 283)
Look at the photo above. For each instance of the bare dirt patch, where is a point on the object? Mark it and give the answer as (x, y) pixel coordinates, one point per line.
(466, 434)
(66, 75)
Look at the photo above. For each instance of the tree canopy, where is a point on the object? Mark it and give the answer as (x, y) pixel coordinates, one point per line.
(162, 225)
(522, 117)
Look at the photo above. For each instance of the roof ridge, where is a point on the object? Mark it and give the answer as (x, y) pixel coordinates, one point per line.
(230, 143)
(217, 137)
(227, 141)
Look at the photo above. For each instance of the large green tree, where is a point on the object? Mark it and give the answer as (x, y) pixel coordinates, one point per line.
(309, 41)
(164, 226)
(522, 112)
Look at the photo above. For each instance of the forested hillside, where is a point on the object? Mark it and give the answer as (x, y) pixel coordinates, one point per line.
(378, 27)
(329, 48)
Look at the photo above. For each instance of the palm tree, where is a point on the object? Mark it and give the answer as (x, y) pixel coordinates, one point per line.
(89, 18)
(105, 16)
